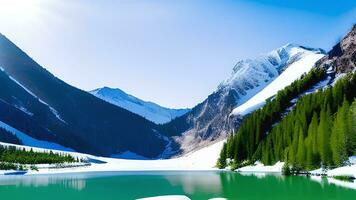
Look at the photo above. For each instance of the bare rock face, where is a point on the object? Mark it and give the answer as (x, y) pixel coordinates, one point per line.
(342, 57)
(211, 120)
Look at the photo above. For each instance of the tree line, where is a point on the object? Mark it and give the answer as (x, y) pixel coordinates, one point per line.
(319, 130)
(8, 137)
(10, 155)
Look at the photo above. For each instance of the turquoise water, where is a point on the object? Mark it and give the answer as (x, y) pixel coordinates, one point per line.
(196, 185)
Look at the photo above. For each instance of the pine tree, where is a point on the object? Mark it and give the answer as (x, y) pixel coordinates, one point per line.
(222, 158)
(350, 131)
(323, 135)
(309, 163)
(352, 116)
(338, 140)
(314, 139)
(301, 150)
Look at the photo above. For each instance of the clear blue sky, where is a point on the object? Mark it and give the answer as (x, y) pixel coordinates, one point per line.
(174, 53)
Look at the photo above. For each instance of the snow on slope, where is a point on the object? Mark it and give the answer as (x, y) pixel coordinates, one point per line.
(251, 76)
(203, 159)
(29, 141)
(54, 111)
(302, 63)
(129, 155)
(148, 110)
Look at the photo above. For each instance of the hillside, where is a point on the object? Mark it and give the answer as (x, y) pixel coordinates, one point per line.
(210, 121)
(35, 102)
(306, 128)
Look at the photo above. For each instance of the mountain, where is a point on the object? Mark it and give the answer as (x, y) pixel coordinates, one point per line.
(8, 137)
(301, 62)
(342, 57)
(310, 123)
(211, 121)
(148, 110)
(41, 109)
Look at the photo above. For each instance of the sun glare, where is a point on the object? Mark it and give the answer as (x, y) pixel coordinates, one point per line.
(18, 7)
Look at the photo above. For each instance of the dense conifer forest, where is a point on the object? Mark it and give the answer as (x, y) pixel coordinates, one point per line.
(13, 158)
(319, 130)
(6, 136)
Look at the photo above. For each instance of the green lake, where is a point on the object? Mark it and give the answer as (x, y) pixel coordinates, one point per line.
(195, 185)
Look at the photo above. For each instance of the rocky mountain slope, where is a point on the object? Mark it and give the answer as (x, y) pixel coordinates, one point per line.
(211, 121)
(342, 57)
(309, 124)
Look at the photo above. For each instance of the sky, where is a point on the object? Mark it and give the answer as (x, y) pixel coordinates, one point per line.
(174, 53)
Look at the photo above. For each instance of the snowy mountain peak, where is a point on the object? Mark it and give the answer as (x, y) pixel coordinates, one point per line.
(250, 83)
(288, 63)
(115, 93)
(146, 109)
(252, 74)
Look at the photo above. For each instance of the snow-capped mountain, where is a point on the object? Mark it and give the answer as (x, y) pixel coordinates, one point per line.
(146, 109)
(252, 78)
(294, 60)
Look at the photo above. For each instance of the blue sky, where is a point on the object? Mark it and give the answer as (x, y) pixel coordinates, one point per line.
(174, 53)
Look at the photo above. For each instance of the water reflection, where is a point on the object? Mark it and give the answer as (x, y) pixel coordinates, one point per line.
(261, 175)
(77, 182)
(324, 182)
(346, 184)
(195, 185)
(194, 182)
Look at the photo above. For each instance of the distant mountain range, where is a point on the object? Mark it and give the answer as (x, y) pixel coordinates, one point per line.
(148, 110)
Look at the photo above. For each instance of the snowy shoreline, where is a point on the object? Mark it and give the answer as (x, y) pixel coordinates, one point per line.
(258, 167)
(350, 171)
(201, 160)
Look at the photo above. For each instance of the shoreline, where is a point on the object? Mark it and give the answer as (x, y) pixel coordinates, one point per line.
(201, 160)
(261, 170)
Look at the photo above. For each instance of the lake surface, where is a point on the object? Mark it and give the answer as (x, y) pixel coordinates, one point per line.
(195, 185)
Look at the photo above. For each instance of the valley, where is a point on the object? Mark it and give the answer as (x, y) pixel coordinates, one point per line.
(281, 125)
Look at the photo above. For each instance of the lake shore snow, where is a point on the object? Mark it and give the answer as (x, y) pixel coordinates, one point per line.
(258, 167)
(200, 160)
(261, 168)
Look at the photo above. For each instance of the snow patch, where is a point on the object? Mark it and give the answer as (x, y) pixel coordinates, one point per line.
(23, 109)
(129, 155)
(261, 168)
(343, 171)
(54, 111)
(352, 160)
(294, 71)
(174, 197)
(170, 197)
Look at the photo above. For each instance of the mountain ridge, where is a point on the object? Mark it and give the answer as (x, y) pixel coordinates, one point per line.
(210, 121)
(147, 109)
(67, 115)
(308, 125)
